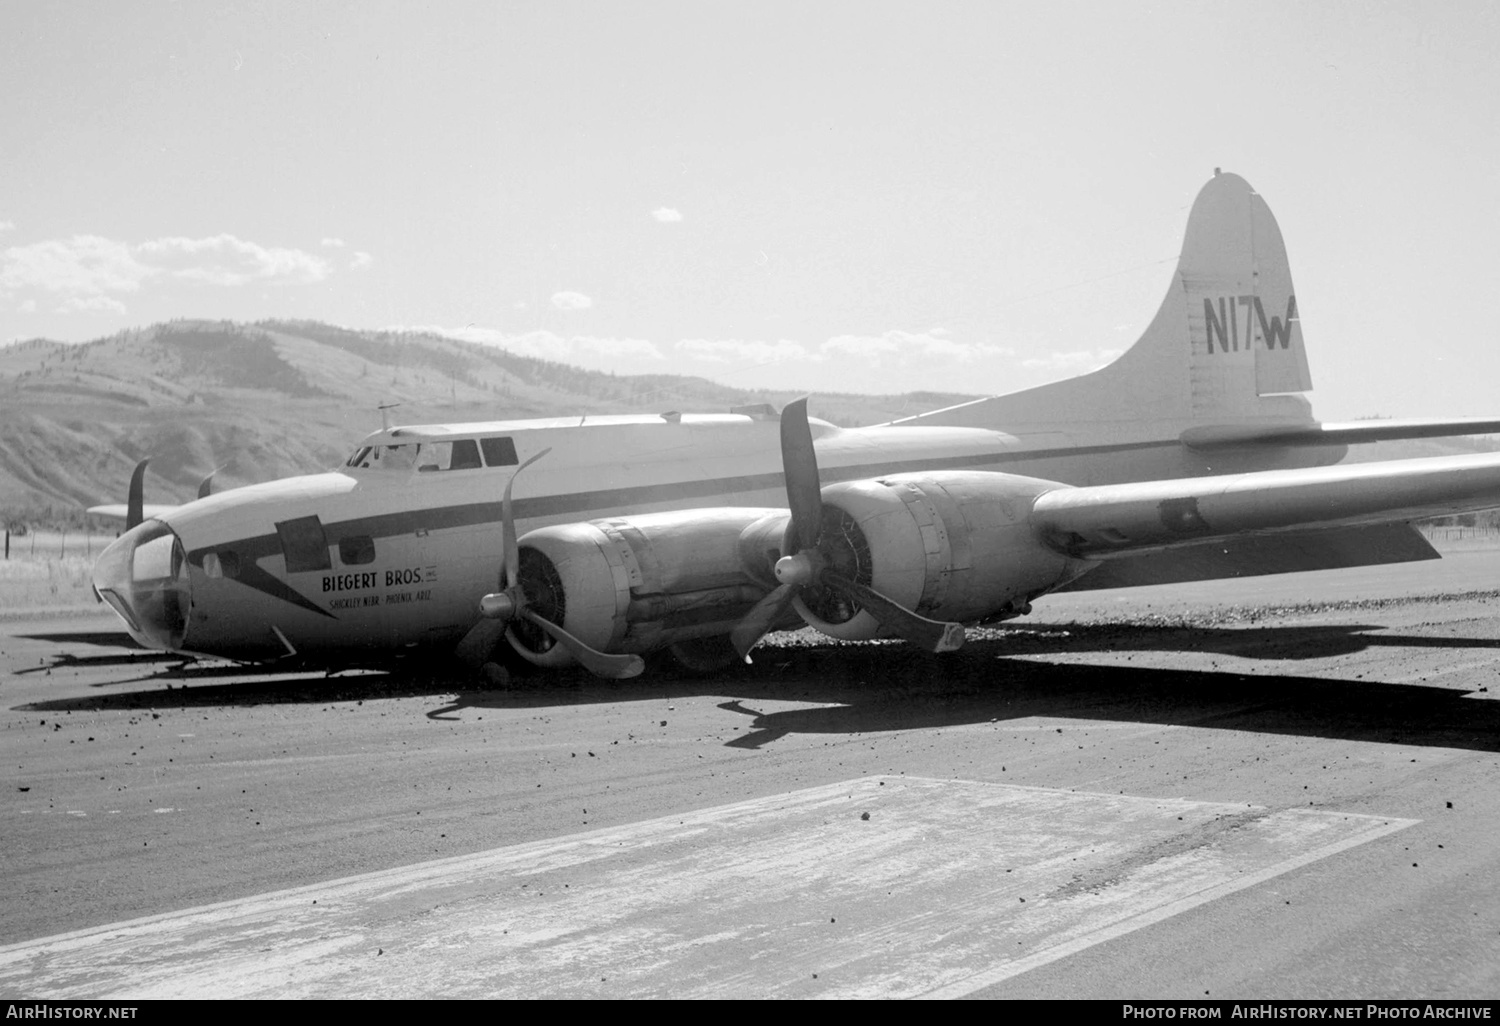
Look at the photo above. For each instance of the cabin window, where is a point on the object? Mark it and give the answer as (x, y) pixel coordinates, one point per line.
(434, 456)
(304, 545)
(461, 454)
(356, 550)
(499, 452)
(359, 457)
(465, 455)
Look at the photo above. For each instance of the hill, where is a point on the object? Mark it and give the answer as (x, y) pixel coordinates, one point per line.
(276, 398)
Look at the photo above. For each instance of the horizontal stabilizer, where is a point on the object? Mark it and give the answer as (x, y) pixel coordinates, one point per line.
(1232, 436)
(1099, 522)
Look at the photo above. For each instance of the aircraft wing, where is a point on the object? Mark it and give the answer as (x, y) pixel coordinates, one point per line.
(121, 511)
(1225, 436)
(1101, 521)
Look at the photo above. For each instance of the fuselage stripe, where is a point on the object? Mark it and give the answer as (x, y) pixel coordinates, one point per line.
(589, 504)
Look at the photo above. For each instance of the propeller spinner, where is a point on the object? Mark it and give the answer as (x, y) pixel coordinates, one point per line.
(810, 563)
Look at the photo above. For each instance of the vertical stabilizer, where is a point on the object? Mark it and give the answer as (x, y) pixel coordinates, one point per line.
(1225, 347)
(1245, 338)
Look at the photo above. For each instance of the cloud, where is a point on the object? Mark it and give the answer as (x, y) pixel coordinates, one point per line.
(892, 351)
(905, 346)
(589, 350)
(29, 306)
(1078, 362)
(226, 260)
(571, 301)
(332, 243)
(361, 260)
(90, 304)
(745, 351)
(861, 347)
(86, 268)
(82, 265)
(666, 215)
(7, 226)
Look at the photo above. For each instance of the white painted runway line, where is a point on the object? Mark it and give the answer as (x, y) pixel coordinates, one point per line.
(947, 887)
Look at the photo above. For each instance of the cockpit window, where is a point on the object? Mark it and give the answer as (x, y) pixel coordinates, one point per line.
(499, 452)
(384, 457)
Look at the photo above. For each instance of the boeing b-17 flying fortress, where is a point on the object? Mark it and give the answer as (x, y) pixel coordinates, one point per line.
(651, 532)
(1013, 806)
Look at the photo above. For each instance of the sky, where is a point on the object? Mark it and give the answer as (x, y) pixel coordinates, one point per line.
(868, 196)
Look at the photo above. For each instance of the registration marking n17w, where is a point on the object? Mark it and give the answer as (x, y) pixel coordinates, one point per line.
(947, 887)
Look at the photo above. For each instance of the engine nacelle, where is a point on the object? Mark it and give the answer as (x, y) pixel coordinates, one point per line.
(950, 545)
(640, 583)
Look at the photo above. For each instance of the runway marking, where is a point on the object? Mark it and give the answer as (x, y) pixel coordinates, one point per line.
(948, 887)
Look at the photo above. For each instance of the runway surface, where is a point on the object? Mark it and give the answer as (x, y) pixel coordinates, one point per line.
(1285, 788)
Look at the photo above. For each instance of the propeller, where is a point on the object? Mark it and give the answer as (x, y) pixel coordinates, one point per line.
(510, 602)
(135, 501)
(206, 486)
(809, 563)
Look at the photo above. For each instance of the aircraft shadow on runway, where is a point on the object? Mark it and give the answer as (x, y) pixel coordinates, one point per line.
(866, 688)
(1318, 641)
(108, 639)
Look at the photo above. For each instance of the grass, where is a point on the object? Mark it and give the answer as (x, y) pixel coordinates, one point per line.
(49, 570)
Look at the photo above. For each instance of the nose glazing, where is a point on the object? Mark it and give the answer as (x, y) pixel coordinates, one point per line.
(143, 575)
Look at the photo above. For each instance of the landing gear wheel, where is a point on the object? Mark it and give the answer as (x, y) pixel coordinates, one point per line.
(703, 655)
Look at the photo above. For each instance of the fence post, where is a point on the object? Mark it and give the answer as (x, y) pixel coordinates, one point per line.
(62, 546)
(7, 543)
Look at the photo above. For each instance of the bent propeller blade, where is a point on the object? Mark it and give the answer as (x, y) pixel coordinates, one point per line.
(933, 635)
(475, 647)
(600, 664)
(748, 632)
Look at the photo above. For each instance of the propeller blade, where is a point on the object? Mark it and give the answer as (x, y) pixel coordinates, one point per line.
(206, 486)
(748, 632)
(799, 463)
(601, 664)
(508, 526)
(933, 635)
(135, 508)
(475, 648)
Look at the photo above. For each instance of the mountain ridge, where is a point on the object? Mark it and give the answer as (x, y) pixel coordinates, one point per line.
(274, 398)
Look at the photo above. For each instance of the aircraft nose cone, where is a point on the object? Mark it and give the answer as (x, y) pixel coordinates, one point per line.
(143, 575)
